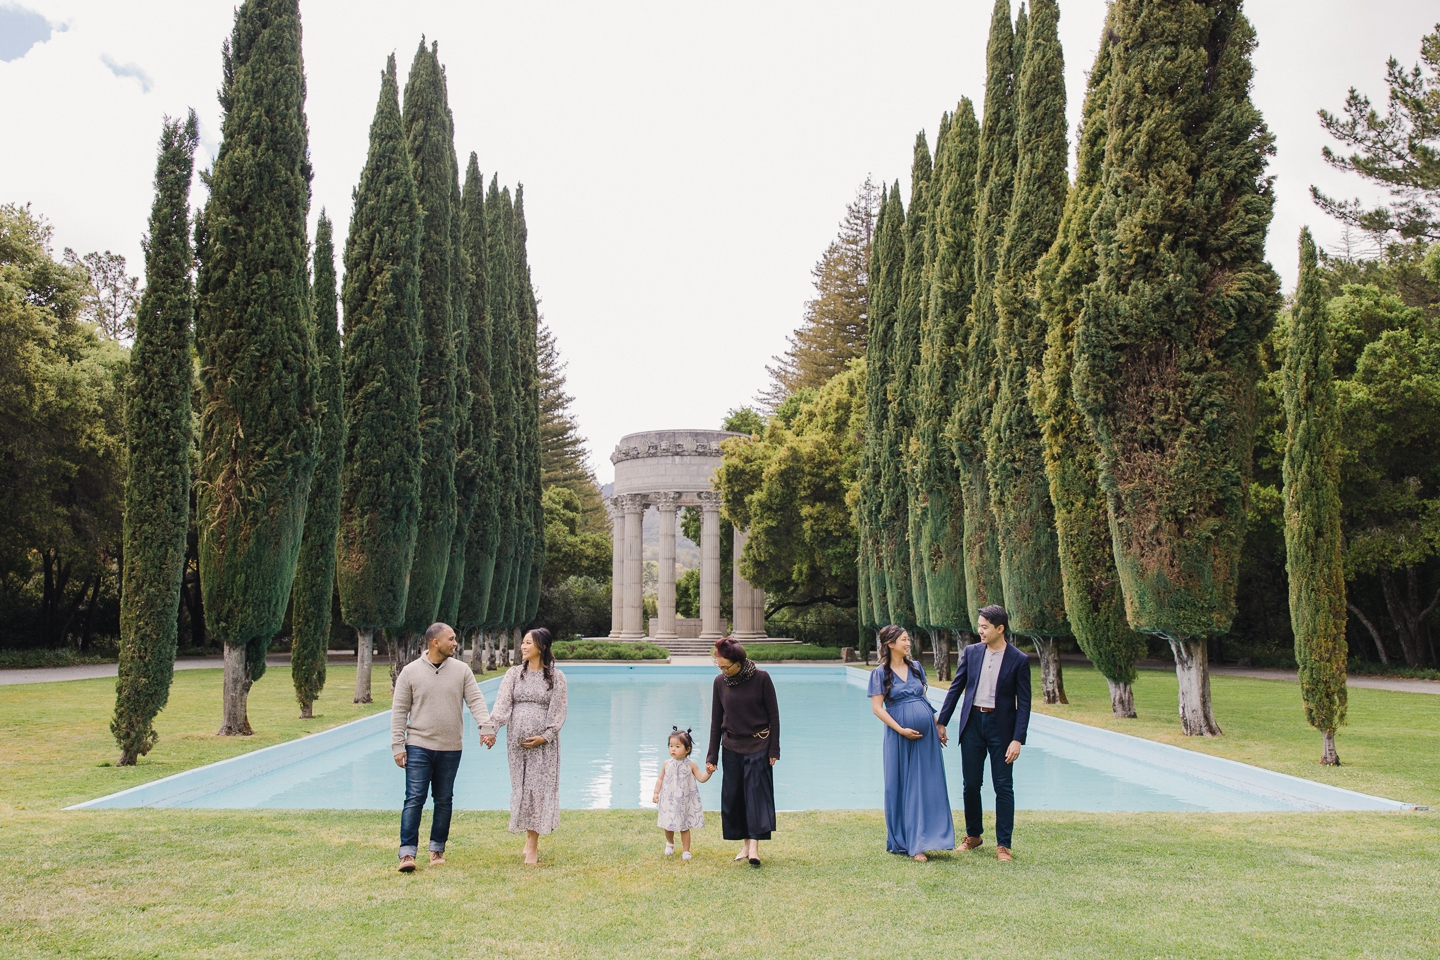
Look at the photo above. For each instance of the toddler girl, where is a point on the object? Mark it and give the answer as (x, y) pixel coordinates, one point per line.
(677, 795)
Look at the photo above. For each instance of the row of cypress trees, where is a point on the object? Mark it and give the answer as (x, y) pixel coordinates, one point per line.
(1061, 377)
(400, 467)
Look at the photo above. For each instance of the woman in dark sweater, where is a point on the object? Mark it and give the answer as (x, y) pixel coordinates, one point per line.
(745, 734)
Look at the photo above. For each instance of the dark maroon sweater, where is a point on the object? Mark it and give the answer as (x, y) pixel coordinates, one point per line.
(740, 712)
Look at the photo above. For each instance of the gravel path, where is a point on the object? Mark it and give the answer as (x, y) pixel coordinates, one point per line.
(89, 671)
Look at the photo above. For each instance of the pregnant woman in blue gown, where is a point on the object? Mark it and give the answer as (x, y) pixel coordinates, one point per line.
(917, 802)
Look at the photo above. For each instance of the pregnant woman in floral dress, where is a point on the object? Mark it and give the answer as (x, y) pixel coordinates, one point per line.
(532, 705)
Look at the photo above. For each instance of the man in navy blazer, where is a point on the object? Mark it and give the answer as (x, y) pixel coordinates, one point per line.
(994, 677)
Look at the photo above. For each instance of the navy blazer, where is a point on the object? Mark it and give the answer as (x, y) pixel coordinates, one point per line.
(1012, 690)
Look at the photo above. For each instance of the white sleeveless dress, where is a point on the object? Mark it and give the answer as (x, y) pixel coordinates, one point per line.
(680, 807)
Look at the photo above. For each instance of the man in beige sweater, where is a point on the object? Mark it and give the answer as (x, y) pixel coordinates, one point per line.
(425, 735)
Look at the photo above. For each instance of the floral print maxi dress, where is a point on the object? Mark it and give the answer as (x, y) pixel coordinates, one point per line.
(532, 709)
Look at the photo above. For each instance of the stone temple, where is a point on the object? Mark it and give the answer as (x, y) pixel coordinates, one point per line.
(670, 469)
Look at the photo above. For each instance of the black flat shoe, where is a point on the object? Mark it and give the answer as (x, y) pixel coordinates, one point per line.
(754, 861)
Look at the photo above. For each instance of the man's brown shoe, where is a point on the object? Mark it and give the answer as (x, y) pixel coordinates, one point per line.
(1003, 853)
(970, 843)
(437, 858)
(407, 864)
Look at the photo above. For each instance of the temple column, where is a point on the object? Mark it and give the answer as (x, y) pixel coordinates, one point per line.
(757, 616)
(744, 626)
(617, 558)
(633, 614)
(710, 566)
(665, 598)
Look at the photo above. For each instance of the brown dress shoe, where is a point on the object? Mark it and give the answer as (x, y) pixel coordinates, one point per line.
(970, 843)
(437, 858)
(407, 864)
(1003, 853)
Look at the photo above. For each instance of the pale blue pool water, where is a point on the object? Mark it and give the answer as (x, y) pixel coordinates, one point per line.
(614, 741)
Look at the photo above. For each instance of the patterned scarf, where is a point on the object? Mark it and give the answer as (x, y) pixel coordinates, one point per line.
(746, 672)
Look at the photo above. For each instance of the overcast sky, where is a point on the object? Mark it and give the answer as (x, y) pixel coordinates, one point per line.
(684, 164)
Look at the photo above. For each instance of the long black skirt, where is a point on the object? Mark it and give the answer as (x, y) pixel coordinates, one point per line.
(747, 795)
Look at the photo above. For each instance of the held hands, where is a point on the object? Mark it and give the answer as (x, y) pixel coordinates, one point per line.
(530, 743)
(489, 740)
(709, 768)
(1012, 752)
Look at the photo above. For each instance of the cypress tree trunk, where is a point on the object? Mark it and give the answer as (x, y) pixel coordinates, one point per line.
(942, 344)
(1167, 346)
(315, 570)
(1313, 546)
(158, 437)
(1019, 491)
(256, 345)
(380, 473)
(1093, 602)
(995, 180)
(430, 139)
(480, 534)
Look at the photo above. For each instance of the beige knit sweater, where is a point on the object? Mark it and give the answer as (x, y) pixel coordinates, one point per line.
(426, 709)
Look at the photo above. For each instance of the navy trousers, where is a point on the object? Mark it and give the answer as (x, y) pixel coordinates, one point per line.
(432, 772)
(979, 740)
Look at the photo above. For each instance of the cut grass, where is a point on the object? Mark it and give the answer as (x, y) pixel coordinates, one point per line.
(245, 883)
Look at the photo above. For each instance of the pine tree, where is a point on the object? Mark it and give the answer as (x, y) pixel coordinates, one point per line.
(873, 608)
(906, 272)
(836, 320)
(380, 472)
(564, 461)
(158, 436)
(1093, 602)
(1166, 351)
(257, 350)
(481, 534)
(315, 570)
(952, 220)
(1312, 508)
(431, 143)
(1019, 491)
(995, 180)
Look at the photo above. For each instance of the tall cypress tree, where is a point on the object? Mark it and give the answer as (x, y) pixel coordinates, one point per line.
(529, 312)
(1019, 491)
(158, 436)
(942, 343)
(315, 570)
(906, 604)
(257, 349)
(380, 471)
(873, 609)
(466, 456)
(887, 263)
(432, 161)
(1166, 352)
(1093, 602)
(1312, 508)
(503, 389)
(995, 181)
(481, 534)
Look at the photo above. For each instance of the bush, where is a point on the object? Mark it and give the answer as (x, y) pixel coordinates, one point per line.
(771, 652)
(1364, 668)
(607, 650)
(37, 659)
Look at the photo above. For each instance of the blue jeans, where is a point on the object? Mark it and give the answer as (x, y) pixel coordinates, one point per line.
(979, 739)
(433, 772)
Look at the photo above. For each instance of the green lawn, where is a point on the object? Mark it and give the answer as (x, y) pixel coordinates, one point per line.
(227, 884)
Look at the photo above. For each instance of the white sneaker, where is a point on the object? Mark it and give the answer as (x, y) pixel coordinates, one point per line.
(669, 849)
(685, 855)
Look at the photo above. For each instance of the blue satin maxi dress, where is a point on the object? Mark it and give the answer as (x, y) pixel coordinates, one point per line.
(917, 802)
